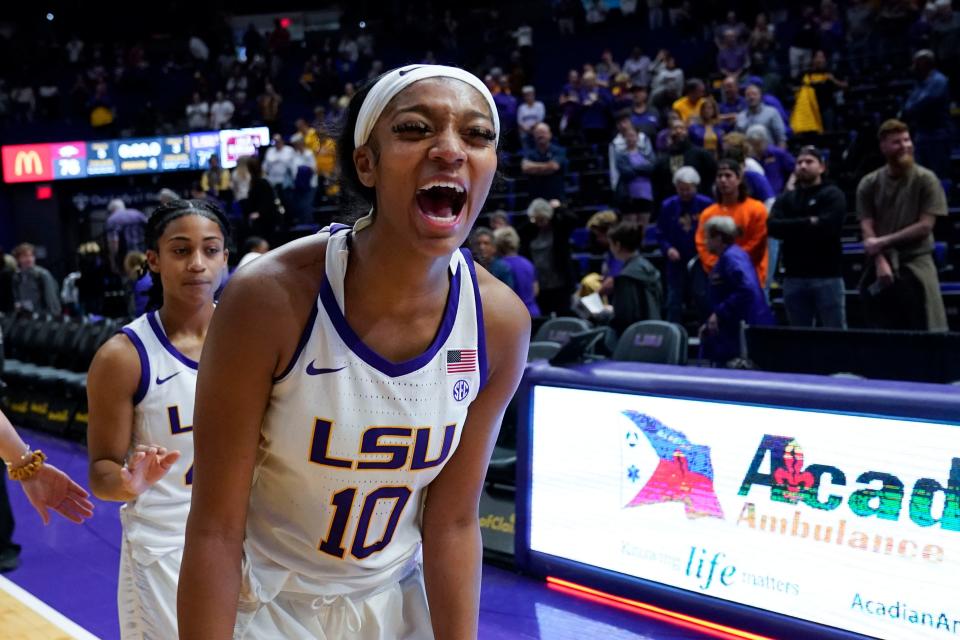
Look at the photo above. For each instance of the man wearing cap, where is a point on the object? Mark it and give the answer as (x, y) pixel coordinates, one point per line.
(927, 112)
(809, 221)
(898, 205)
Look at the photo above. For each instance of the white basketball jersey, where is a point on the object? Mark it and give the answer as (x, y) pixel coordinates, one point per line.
(155, 521)
(350, 442)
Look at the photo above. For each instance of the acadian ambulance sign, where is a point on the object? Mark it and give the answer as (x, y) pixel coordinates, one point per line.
(843, 520)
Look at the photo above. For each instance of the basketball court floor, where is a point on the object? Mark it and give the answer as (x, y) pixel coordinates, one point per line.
(67, 582)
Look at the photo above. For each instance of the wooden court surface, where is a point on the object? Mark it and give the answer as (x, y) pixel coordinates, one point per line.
(23, 617)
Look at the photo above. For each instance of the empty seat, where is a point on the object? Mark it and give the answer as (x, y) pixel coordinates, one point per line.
(653, 341)
(559, 329)
(542, 350)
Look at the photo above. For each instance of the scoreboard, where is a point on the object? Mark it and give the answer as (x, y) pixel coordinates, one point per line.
(44, 162)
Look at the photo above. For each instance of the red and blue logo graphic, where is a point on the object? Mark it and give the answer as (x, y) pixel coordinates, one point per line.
(684, 473)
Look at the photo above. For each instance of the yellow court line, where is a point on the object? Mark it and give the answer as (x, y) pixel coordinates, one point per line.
(24, 617)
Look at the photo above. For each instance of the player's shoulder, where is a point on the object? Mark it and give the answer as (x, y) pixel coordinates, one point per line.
(118, 358)
(506, 319)
(282, 278)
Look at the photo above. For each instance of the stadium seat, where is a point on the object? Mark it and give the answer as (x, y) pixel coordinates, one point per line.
(653, 341)
(542, 350)
(559, 330)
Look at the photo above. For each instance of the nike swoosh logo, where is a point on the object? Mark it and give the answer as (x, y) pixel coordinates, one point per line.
(161, 381)
(313, 371)
(406, 71)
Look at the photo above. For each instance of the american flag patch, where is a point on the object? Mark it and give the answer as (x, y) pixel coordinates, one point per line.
(461, 360)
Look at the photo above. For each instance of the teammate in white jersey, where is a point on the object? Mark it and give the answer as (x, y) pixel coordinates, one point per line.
(141, 389)
(351, 392)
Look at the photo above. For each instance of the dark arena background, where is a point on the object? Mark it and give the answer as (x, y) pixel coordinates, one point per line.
(760, 440)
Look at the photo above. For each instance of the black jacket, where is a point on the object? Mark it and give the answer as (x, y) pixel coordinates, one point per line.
(637, 294)
(810, 249)
(700, 159)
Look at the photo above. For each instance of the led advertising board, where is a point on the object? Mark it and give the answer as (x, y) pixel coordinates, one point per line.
(849, 521)
(72, 160)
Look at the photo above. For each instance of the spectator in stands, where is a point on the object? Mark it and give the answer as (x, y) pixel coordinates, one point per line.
(279, 164)
(102, 113)
(546, 240)
(545, 165)
(253, 248)
(809, 223)
(499, 219)
(595, 102)
(221, 112)
(667, 80)
(8, 268)
(733, 57)
(677, 227)
(484, 251)
(682, 153)
(731, 24)
(731, 103)
(825, 85)
(637, 66)
(927, 112)
(759, 113)
(570, 102)
(805, 40)
(138, 283)
(215, 180)
(522, 274)
(34, 288)
(305, 181)
(830, 29)
(269, 104)
(689, 105)
(530, 113)
(262, 206)
(124, 232)
(758, 187)
(945, 42)
(735, 293)
(762, 40)
(898, 205)
(198, 113)
(599, 226)
(705, 129)
(778, 164)
(637, 291)
(749, 215)
(859, 19)
(634, 168)
(644, 117)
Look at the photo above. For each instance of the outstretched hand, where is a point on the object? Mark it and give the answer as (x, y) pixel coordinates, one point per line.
(145, 467)
(51, 488)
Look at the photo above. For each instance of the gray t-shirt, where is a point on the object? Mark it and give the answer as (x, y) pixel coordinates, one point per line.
(895, 203)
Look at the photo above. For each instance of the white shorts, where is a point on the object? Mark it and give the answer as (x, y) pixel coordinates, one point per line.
(147, 595)
(396, 611)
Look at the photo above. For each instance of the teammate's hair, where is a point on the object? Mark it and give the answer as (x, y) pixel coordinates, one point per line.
(358, 197)
(157, 224)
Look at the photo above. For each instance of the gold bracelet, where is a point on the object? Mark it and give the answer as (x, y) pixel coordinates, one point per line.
(28, 470)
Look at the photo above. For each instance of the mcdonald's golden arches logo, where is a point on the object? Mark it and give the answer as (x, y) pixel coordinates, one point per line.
(27, 163)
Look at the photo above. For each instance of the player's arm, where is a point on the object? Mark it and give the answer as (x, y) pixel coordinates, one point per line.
(112, 382)
(451, 529)
(241, 354)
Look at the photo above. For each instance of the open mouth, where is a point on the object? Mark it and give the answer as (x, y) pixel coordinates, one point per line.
(443, 201)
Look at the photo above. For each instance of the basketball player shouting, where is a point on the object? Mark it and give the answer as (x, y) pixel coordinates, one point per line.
(351, 391)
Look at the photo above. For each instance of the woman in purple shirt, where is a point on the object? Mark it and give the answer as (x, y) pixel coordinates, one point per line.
(524, 274)
(635, 166)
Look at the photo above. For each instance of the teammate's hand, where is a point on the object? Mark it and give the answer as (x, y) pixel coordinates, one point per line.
(50, 488)
(146, 466)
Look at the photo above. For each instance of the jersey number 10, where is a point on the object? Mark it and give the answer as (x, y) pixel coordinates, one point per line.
(412, 455)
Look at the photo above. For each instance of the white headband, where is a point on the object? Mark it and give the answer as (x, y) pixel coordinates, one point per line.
(393, 82)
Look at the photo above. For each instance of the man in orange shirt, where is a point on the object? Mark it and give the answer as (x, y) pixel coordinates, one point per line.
(749, 214)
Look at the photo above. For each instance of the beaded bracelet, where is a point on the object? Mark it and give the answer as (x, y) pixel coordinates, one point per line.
(28, 470)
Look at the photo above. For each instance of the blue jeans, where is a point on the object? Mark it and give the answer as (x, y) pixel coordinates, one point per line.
(815, 299)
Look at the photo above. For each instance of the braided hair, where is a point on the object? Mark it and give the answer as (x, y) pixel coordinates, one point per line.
(157, 223)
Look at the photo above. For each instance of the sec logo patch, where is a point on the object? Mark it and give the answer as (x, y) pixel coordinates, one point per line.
(461, 389)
